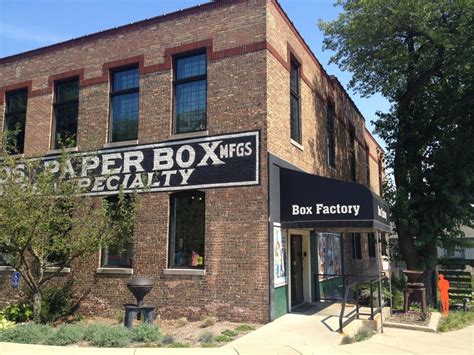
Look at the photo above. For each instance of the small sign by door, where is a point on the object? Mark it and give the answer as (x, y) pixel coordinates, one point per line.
(16, 279)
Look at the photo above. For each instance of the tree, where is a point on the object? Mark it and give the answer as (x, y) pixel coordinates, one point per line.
(46, 220)
(419, 55)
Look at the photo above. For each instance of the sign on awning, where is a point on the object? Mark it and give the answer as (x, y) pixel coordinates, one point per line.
(312, 201)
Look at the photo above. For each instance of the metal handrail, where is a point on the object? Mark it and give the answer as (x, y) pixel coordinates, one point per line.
(356, 284)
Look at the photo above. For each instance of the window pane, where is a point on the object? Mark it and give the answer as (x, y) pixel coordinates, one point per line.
(187, 237)
(191, 66)
(15, 125)
(125, 117)
(17, 101)
(66, 125)
(190, 106)
(125, 79)
(294, 78)
(117, 257)
(295, 119)
(67, 90)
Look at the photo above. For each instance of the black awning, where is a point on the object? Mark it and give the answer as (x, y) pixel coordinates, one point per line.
(312, 201)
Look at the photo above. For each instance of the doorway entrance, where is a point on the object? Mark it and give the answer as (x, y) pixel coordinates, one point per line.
(296, 262)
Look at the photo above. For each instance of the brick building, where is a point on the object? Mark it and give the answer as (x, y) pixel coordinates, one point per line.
(209, 103)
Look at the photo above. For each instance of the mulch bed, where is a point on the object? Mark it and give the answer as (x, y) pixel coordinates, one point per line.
(411, 317)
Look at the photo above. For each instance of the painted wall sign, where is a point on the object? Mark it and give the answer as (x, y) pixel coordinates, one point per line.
(205, 162)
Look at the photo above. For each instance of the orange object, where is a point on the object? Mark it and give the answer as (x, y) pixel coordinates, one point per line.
(443, 286)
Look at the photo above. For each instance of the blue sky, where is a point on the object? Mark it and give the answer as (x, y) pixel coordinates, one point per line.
(29, 24)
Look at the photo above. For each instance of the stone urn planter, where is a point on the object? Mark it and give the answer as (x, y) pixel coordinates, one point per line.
(414, 278)
(140, 287)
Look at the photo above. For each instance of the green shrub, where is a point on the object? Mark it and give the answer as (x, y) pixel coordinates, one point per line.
(167, 339)
(223, 338)
(5, 324)
(456, 320)
(179, 345)
(107, 336)
(362, 335)
(230, 333)
(67, 334)
(18, 312)
(206, 338)
(244, 328)
(145, 333)
(27, 334)
(57, 302)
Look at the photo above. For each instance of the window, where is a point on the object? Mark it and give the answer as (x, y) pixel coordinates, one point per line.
(352, 154)
(295, 121)
(187, 230)
(367, 166)
(5, 257)
(356, 246)
(372, 246)
(190, 91)
(66, 107)
(380, 176)
(15, 118)
(124, 105)
(330, 136)
(120, 254)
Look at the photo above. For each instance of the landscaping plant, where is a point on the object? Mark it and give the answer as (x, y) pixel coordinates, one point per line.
(145, 333)
(46, 220)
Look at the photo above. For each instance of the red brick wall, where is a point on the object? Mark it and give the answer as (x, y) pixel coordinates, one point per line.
(236, 284)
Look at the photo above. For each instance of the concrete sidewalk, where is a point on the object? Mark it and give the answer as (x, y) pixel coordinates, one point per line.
(292, 334)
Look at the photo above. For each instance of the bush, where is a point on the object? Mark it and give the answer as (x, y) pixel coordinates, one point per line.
(230, 333)
(208, 322)
(167, 339)
(27, 334)
(18, 312)
(57, 302)
(206, 338)
(145, 333)
(107, 336)
(5, 324)
(223, 338)
(67, 334)
(244, 328)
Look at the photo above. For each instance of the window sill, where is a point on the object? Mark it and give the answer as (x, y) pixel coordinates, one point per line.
(59, 151)
(120, 144)
(114, 270)
(6, 268)
(185, 272)
(189, 135)
(51, 269)
(297, 145)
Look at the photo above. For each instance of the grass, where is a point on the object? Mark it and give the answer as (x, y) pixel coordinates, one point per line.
(360, 336)
(456, 320)
(179, 345)
(244, 328)
(222, 338)
(230, 333)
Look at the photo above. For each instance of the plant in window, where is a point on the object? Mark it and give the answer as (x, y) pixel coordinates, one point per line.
(45, 216)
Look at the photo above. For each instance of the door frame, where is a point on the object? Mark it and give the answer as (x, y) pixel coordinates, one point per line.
(306, 250)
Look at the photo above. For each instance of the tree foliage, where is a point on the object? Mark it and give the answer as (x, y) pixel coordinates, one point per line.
(46, 221)
(418, 54)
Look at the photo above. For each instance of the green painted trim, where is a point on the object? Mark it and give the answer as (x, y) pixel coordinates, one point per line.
(280, 301)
